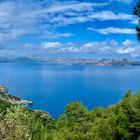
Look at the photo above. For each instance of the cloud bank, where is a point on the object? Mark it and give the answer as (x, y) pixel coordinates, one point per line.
(108, 47)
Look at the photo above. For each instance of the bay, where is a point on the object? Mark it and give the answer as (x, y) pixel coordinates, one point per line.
(52, 86)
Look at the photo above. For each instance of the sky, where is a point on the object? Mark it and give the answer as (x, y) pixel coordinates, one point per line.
(68, 28)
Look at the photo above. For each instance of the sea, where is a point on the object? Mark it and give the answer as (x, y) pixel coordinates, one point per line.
(51, 86)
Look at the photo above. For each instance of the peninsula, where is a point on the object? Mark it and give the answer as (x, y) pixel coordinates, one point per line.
(5, 96)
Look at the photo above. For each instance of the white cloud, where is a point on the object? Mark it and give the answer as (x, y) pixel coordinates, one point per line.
(109, 15)
(134, 21)
(18, 18)
(55, 35)
(101, 48)
(89, 16)
(128, 43)
(51, 45)
(67, 6)
(105, 47)
(128, 50)
(95, 48)
(113, 30)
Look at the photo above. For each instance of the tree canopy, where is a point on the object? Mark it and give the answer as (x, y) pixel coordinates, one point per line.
(116, 122)
(137, 13)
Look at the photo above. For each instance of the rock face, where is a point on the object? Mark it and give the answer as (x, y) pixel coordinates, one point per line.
(3, 89)
(12, 99)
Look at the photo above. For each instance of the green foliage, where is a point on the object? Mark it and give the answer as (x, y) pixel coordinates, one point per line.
(117, 122)
(121, 121)
(137, 13)
(128, 116)
(13, 125)
(73, 124)
(40, 124)
(19, 123)
(4, 106)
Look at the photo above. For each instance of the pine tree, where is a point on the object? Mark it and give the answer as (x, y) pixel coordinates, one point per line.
(137, 13)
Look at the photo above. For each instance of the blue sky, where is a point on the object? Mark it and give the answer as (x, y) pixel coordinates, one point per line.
(68, 28)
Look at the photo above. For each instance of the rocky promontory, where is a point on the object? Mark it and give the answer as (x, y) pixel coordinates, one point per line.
(4, 95)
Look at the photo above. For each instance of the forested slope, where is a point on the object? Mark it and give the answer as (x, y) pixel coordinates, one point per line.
(116, 122)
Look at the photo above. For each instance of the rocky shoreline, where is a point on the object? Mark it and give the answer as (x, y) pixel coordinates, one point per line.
(4, 95)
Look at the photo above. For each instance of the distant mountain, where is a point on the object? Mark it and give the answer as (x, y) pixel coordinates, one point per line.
(98, 62)
(16, 60)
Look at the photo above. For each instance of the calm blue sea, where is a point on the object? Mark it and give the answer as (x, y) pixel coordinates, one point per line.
(52, 86)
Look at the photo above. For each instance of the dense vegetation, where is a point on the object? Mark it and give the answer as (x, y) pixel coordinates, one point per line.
(117, 122)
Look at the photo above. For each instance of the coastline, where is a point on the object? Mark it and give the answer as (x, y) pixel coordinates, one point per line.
(5, 96)
(91, 61)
